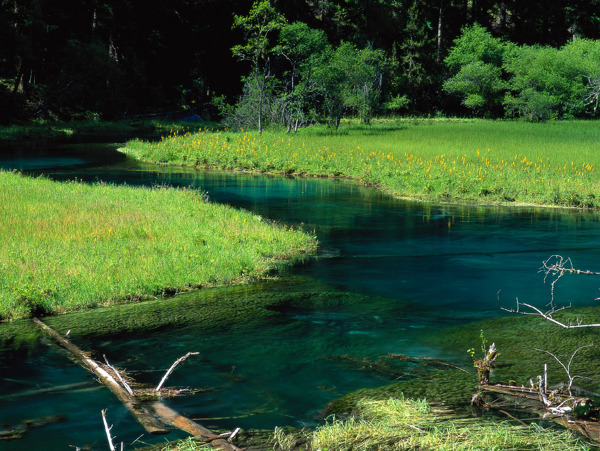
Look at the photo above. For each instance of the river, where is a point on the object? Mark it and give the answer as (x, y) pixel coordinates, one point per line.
(390, 275)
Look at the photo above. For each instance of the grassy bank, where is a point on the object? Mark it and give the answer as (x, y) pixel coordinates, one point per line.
(475, 161)
(65, 246)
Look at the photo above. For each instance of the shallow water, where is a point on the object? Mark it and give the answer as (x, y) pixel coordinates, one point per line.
(390, 275)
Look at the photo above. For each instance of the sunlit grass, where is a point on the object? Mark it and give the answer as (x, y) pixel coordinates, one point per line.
(551, 163)
(64, 246)
(399, 424)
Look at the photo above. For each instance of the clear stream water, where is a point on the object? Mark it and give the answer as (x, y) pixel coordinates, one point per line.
(389, 276)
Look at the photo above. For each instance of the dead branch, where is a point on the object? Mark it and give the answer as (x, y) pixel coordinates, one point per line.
(125, 384)
(170, 370)
(107, 429)
(138, 411)
(143, 412)
(423, 361)
(548, 315)
(567, 367)
(173, 418)
(555, 267)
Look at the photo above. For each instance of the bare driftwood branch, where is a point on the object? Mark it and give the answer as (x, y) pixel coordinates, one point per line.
(125, 384)
(548, 315)
(170, 370)
(108, 434)
(567, 367)
(555, 267)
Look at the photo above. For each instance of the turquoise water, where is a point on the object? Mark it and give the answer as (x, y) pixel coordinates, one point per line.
(389, 275)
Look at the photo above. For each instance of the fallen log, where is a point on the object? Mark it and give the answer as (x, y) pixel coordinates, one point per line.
(175, 419)
(139, 411)
(145, 413)
(534, 401)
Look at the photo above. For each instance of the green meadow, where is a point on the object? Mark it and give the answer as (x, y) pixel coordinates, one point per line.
(475, 161)
(67, 246)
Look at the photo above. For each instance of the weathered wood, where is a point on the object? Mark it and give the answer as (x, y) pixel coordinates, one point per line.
(145, 413)
(175, 419)
(532, 397)
(170, 370)
(139, 411)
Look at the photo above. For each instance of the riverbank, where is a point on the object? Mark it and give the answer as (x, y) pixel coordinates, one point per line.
(470, 161)
(68, 246)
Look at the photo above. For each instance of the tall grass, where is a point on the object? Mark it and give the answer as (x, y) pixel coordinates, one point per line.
(480, 161)
(65, 246)
(400, 424)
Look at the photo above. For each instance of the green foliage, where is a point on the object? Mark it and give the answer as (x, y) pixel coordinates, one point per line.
(364, 70)
(476, 59)
(122, 59)
(397, 103)
(546, 83)
(66, 246)
(566, 74)
(305, 50)
(479, 84)
(532, 105)
(258, 26)
(475, 44)
(531, 82)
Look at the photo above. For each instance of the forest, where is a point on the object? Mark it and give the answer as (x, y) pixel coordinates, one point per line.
(294, 62)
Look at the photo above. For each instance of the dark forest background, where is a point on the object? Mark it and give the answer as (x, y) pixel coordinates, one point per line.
(68, 59)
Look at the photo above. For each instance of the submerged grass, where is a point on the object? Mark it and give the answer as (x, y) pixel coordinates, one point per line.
(479, 161)
(66, 246)
(405, 424)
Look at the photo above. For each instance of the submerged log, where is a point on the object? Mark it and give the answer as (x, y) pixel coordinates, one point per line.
(179, 421)
(139, 411)
(424, 361)
(145, 413)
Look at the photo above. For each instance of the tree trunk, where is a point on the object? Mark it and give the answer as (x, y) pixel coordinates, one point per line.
(440, 33)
